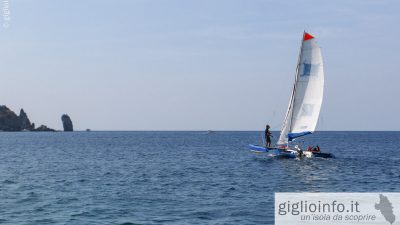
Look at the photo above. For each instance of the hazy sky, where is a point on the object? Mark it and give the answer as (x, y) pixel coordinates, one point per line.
(197, 65)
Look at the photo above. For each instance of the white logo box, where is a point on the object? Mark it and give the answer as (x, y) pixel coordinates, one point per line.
(303, 208)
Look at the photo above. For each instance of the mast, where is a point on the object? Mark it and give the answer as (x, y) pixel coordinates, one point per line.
(287, 123)
(294, 85)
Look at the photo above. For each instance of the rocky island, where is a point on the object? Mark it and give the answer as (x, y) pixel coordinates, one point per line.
(9, 121)
(67, 123)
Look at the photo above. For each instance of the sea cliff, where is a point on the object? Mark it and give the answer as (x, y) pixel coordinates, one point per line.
(10, 121)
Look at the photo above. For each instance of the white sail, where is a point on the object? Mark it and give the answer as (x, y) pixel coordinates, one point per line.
(305, 104)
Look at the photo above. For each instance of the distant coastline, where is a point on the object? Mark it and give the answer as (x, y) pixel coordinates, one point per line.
(10, 121)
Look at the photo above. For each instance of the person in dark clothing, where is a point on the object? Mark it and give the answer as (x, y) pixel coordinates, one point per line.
(268, 136)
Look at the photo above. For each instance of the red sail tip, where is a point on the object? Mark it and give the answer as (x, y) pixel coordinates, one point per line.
(307, 36)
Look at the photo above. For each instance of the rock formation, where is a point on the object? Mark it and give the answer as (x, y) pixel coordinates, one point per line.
(43, 128)
(24, 121)
(9, 121)
(67, 123)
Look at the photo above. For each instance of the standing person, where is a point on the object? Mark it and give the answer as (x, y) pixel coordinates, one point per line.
(268, 136)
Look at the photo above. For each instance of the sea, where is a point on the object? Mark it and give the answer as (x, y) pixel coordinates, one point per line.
(127, 178)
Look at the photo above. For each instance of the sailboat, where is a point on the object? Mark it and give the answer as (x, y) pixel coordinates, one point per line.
(304, 104)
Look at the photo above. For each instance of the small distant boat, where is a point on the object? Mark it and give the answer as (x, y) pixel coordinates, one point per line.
(210, 132)
(304, 105)
(88, 130)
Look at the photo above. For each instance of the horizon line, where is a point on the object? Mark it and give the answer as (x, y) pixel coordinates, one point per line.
(226, 131)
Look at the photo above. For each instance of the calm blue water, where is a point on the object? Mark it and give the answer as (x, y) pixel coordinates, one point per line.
(176, 177)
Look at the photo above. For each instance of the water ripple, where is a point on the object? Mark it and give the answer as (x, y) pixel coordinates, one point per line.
(129, 178)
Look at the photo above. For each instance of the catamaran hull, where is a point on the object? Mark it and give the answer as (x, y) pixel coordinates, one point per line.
(310, 154)
(323, 155)
(274, 152)
(288, 153)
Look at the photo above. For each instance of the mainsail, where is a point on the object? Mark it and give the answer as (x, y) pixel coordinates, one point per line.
(307, 93)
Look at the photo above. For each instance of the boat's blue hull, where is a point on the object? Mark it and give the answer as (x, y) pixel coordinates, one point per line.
(276, 152)
(284, 153)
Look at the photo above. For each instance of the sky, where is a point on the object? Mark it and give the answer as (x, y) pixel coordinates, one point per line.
(196, 65)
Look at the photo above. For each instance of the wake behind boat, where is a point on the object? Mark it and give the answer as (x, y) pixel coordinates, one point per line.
(304, 105)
